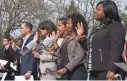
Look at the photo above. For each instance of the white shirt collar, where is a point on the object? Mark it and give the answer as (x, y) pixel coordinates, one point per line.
(24, 40)
(6, 47)
(26, 37)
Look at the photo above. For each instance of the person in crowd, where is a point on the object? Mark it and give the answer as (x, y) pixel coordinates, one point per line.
(47, 58)
(106, 42)
(8, 48)
(9, 55)
(62, 29)
(58, 37)
(61, 33)
(72, 54)
(27, 60)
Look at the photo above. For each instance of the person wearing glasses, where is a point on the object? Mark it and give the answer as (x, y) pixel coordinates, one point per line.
(48, 65)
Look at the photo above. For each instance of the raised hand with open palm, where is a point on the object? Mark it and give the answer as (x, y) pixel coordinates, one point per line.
(35, 37)
(80, 30)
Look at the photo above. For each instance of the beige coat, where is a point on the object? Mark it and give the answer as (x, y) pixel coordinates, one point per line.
(47, 66)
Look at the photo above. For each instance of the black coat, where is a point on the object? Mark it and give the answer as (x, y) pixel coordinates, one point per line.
(2, 54)
(8, 54)
(107, 45)
(11, 55)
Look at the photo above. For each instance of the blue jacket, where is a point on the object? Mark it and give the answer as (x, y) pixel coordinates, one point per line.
(28, 62)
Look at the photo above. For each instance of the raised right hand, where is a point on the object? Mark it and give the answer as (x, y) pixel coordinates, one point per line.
(36, 37)
(80, 30)
(54, 36)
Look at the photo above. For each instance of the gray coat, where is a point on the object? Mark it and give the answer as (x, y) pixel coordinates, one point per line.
(76, 53)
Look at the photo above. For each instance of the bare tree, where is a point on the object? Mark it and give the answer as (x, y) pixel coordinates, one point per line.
(13, 12)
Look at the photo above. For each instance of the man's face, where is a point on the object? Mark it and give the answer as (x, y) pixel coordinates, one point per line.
(24, 30)
(5, 42)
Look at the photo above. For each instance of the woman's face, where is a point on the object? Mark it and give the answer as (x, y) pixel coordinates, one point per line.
(61, 28)
(44, 32)
(69, 25)
(99, 13)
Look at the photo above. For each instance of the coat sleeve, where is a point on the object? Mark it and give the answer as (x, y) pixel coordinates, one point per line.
(83, 42)
(30, 61)
(78, 57)
(28, 47)
(13, 54)
(117, 39)
(47, 57)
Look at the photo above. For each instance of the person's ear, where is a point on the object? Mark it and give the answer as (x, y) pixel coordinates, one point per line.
(28, 29)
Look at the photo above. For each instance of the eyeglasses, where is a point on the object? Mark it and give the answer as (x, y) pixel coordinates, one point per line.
(42, 28)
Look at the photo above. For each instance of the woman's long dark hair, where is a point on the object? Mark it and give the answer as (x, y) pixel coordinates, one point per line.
(110, 11)
(78, 18)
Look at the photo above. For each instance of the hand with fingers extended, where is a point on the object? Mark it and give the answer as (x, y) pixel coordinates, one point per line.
(12, 44)
(80, 30)
(62, 71)
(35, 37)
(54, 36)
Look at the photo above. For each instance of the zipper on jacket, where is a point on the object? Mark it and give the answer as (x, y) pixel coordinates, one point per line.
(100, 54)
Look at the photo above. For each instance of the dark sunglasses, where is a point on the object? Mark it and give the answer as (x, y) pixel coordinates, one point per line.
(42, 28)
